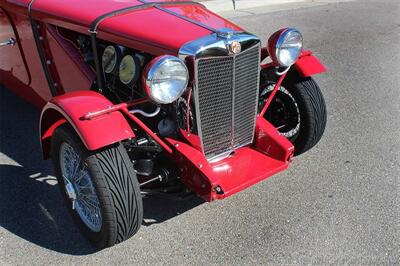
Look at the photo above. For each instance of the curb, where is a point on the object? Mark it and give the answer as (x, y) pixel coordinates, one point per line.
(227, 6)
(221, 6)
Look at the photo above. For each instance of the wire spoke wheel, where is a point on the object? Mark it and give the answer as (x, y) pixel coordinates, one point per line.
(283, 112)
(100, 188)
(79, 187)
(298, 110)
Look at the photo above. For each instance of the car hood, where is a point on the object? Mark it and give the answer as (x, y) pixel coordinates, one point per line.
(149, 29)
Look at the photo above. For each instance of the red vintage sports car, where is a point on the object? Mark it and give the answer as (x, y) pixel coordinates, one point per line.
(156, 98)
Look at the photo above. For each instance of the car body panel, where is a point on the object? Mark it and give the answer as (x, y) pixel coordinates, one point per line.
(95, 133)
(64, 53)
(270, 153)
(166, 34)
(308, 65)
(11, 59)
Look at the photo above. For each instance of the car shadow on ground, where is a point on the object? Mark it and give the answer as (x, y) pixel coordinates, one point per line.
(31, 205)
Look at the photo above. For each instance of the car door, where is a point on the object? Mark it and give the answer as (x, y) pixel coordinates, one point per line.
(12, 65)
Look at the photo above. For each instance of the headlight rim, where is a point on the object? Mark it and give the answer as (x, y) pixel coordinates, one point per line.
(150, 71)
(275, 43)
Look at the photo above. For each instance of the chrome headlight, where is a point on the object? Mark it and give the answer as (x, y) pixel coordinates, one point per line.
(165, 79)
(284, 46)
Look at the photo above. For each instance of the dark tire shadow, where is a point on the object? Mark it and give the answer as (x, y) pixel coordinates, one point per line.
(157, 210)
(31, 205)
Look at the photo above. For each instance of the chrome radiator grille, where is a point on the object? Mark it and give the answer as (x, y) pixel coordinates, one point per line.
(226, 100)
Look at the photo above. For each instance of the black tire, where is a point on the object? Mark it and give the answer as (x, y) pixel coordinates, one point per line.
(115, 185)
(312, 109)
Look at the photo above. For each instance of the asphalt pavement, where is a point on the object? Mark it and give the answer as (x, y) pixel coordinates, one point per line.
(337, 204)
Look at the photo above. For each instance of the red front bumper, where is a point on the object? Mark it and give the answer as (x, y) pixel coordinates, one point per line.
(269, 154)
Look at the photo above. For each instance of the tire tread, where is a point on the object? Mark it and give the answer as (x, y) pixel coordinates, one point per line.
(314, 118)
(121, 188)
(116, 186)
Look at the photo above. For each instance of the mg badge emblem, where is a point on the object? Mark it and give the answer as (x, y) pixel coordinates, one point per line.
(235, 47)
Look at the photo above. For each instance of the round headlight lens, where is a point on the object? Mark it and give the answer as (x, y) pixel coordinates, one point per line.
(285, 46)
(127, 69)
(166, 78)
(109, 59)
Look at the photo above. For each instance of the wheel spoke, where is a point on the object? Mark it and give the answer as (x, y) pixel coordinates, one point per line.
(280, 127)
(66, 179)
(92, 211)
(89, 206)
(77, 177)
(81, 174)
(89, 202)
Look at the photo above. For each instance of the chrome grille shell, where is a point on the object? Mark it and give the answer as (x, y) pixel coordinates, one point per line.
(226, 97)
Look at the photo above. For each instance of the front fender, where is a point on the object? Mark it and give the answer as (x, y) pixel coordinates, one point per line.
(308, 65)
(95, 133)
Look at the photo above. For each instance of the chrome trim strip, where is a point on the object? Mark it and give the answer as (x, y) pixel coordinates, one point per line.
(233, 102)
(258, 92)
(197, 103)
(217, 44)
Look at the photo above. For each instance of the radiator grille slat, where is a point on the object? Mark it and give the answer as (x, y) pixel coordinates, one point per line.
(215, 104)
(246, 96)
(226, 100)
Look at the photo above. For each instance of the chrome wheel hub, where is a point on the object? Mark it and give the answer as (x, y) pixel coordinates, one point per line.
(71, 193)
(79, 187)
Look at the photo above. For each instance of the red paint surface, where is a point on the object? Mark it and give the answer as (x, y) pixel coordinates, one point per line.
(270, 154)
(150, 29)
(272, 95)
(203, 15)
(68, 62)
(192, 139)
(269, 141)
(95, 133)
(35, 90)
(308, 65)
(271, 46)
(159, 32)
(10, 56)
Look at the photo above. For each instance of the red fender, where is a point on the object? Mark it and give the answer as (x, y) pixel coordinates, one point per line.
(95, 133)
(308, 65)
